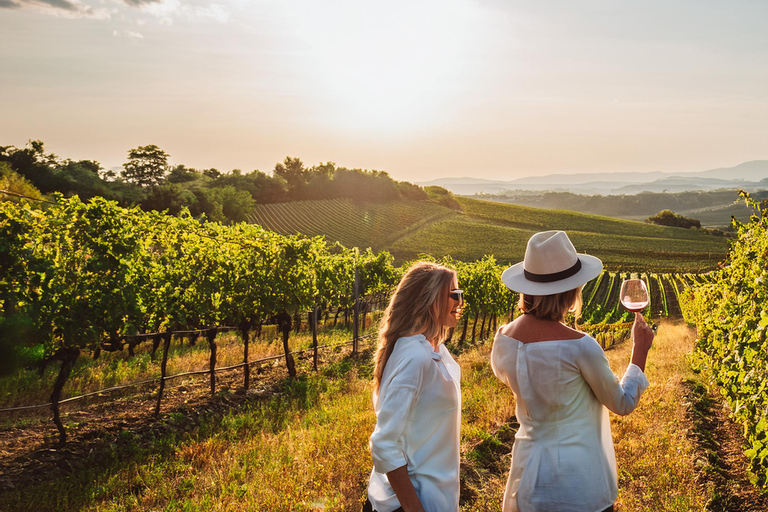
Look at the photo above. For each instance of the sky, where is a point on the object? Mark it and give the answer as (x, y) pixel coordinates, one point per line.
(498, 89)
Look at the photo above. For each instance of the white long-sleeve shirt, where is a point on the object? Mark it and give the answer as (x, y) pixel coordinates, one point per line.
(418, 423)
(563, 457)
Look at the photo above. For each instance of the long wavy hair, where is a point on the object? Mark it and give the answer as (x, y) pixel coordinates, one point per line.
(415, 308)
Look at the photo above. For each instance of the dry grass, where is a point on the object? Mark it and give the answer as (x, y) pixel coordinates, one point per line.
(306, 448)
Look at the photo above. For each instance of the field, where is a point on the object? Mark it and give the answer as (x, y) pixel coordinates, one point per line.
(301, 445)
(353, 224)
(408, 229)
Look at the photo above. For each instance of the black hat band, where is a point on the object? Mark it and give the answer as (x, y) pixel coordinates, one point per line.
(557, 276)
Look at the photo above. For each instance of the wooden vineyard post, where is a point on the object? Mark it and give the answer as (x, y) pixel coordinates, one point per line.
(211, 335)
(244, 328)
(356, 319)
(163, 370)
(313, 324)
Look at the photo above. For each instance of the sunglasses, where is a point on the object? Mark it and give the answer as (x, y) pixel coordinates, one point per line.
(456, 295)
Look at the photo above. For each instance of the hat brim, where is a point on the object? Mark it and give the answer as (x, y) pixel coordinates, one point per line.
(514, 278)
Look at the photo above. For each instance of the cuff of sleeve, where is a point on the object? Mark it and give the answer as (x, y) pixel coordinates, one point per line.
(385, 466)
(636, 374)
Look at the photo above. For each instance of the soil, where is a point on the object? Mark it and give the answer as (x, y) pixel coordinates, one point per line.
(720, 463)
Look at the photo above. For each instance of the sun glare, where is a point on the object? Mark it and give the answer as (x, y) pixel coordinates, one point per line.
(389, 65)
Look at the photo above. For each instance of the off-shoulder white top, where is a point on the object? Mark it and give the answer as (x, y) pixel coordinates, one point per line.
(563, 458)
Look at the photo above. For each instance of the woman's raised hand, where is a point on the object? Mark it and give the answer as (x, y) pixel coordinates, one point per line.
(642, 339)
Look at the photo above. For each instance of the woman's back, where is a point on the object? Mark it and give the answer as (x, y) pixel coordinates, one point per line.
(563, 456)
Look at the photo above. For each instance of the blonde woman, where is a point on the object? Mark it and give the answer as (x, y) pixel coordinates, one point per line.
(563, 458)
(417, 397)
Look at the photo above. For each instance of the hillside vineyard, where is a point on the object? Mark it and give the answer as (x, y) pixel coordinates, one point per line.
(94, 276)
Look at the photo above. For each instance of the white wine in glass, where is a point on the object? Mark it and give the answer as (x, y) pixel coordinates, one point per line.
(634, 295)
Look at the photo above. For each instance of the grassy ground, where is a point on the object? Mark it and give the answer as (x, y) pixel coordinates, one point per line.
(305, 447)
(654, 448)
(410, 228)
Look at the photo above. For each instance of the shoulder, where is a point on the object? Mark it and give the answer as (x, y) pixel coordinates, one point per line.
(503, 347)
(589, 346)
(411, 351)
(509, 329)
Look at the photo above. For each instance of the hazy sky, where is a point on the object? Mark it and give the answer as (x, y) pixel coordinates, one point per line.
(490, 88)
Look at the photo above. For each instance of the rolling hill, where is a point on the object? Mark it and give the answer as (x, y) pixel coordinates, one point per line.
(410, 228)
(713, 208)
(747, 175)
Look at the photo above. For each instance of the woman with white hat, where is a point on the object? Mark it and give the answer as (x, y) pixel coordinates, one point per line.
(563, 458)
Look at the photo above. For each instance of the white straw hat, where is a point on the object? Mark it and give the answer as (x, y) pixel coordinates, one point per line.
(551, 266)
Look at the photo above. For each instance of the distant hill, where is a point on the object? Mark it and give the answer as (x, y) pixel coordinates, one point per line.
(713, 208)
(410, 228)
(748, 175)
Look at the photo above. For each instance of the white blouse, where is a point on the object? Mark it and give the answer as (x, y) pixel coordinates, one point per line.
(418, 423)
(563, 458)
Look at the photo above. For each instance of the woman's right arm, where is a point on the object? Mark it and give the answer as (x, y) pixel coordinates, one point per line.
(403, 487)
(620, 397)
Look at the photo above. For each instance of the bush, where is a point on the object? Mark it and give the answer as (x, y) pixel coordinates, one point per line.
(670, 218)
(442, 196)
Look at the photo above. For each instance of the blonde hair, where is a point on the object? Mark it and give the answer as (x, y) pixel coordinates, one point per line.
(415, 308)
(552, 307)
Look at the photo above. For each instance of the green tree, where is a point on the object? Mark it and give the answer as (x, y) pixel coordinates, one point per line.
(293, 172)
(670, 218)
(146, 166)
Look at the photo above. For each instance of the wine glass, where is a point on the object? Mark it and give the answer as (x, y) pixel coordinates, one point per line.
(634, 295)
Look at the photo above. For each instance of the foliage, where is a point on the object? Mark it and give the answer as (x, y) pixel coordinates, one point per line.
(670, 218)
(146, 166)
(148, 180)
(89, 273)
(732, 318)
(49, 173)
(442, 196)
(16, 183)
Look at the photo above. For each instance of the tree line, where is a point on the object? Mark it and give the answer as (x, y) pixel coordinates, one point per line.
(149, 181)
